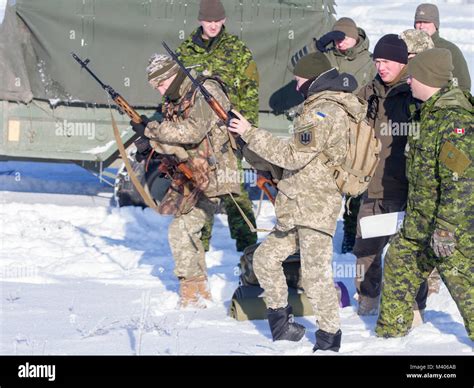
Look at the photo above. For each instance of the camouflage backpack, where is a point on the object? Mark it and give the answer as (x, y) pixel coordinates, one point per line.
(353, 176)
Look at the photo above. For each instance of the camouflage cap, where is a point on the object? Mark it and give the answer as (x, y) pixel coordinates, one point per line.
(417, 40)
(161, 67)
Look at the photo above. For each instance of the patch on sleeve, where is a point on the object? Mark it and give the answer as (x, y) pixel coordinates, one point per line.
(251, 71)
(304, 138)
(454, 159)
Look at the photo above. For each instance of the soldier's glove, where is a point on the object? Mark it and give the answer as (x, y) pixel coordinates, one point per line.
(140, 127)
(143, 148)
(443, 243)
(332, 36)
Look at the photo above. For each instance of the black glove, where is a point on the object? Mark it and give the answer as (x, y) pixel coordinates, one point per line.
(143, 148)
(140, 127)
(331, 36)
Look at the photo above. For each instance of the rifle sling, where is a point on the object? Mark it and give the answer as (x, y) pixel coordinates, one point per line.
(138, 186)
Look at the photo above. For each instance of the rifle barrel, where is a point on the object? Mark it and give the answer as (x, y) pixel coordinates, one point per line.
(84, 66)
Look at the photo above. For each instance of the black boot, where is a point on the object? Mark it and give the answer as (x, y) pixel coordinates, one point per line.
(327, 341)
(283, 326)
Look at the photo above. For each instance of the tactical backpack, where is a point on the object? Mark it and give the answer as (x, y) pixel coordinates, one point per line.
(353, 176)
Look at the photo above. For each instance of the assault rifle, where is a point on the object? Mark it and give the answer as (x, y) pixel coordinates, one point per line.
(125, 107)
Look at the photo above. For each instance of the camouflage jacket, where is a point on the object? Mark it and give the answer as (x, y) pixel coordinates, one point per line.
(228, 58)
(308, 195)
(440, 169)
(201, 125)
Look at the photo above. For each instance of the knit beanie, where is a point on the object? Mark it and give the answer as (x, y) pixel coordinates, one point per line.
(432, 67)
(347, 26)
(427, 13)
(161, 67)
(391, 47)
(312, 65)
(211, 11)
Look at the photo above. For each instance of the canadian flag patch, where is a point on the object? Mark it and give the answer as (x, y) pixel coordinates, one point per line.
(459, 131)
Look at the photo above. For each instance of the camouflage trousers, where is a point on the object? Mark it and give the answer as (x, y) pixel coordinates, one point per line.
(316, 271)
(408, 264)
(184, 237)
(239, 230)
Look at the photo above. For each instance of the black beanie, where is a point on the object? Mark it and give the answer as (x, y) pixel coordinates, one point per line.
(312, 65)
(391, 47)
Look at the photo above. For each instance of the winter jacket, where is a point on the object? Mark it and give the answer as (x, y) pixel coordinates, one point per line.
(461, 70)
(356, 61)
(440, 170)
(389, 112)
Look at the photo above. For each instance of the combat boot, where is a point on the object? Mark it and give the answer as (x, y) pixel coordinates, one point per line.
(193, 291)
(328, 341)
(283, 326)
(367, 305)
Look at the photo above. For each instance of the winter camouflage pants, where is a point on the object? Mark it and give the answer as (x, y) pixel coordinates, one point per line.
(316, 270)
(408, 263)
(184, 236)
(239, 230)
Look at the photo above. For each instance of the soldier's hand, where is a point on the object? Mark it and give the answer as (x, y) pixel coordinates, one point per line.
(140, 127)
(239, 125)
(443, 243)
(143, 148)
(332, 36)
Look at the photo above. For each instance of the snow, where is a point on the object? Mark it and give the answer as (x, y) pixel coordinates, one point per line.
(95, 279)
(79, 276)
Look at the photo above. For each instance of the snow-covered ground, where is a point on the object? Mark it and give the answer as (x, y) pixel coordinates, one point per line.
(79, 276)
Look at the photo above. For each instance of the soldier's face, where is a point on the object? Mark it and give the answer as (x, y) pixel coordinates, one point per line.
(162, 86)
(418, 89)
(388, 70)
(428, 27)
(346, 43)
(211, 29)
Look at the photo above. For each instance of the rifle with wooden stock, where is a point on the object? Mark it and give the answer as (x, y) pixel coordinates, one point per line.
(210, 99)
(126, 108)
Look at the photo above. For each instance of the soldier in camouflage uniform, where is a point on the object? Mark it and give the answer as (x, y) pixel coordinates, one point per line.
(347, 48)
(212, 50)
(308, 202)
(418, 41)
(189, 122)
(438, 230)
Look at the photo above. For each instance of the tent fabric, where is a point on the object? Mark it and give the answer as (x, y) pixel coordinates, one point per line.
(118, 36)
